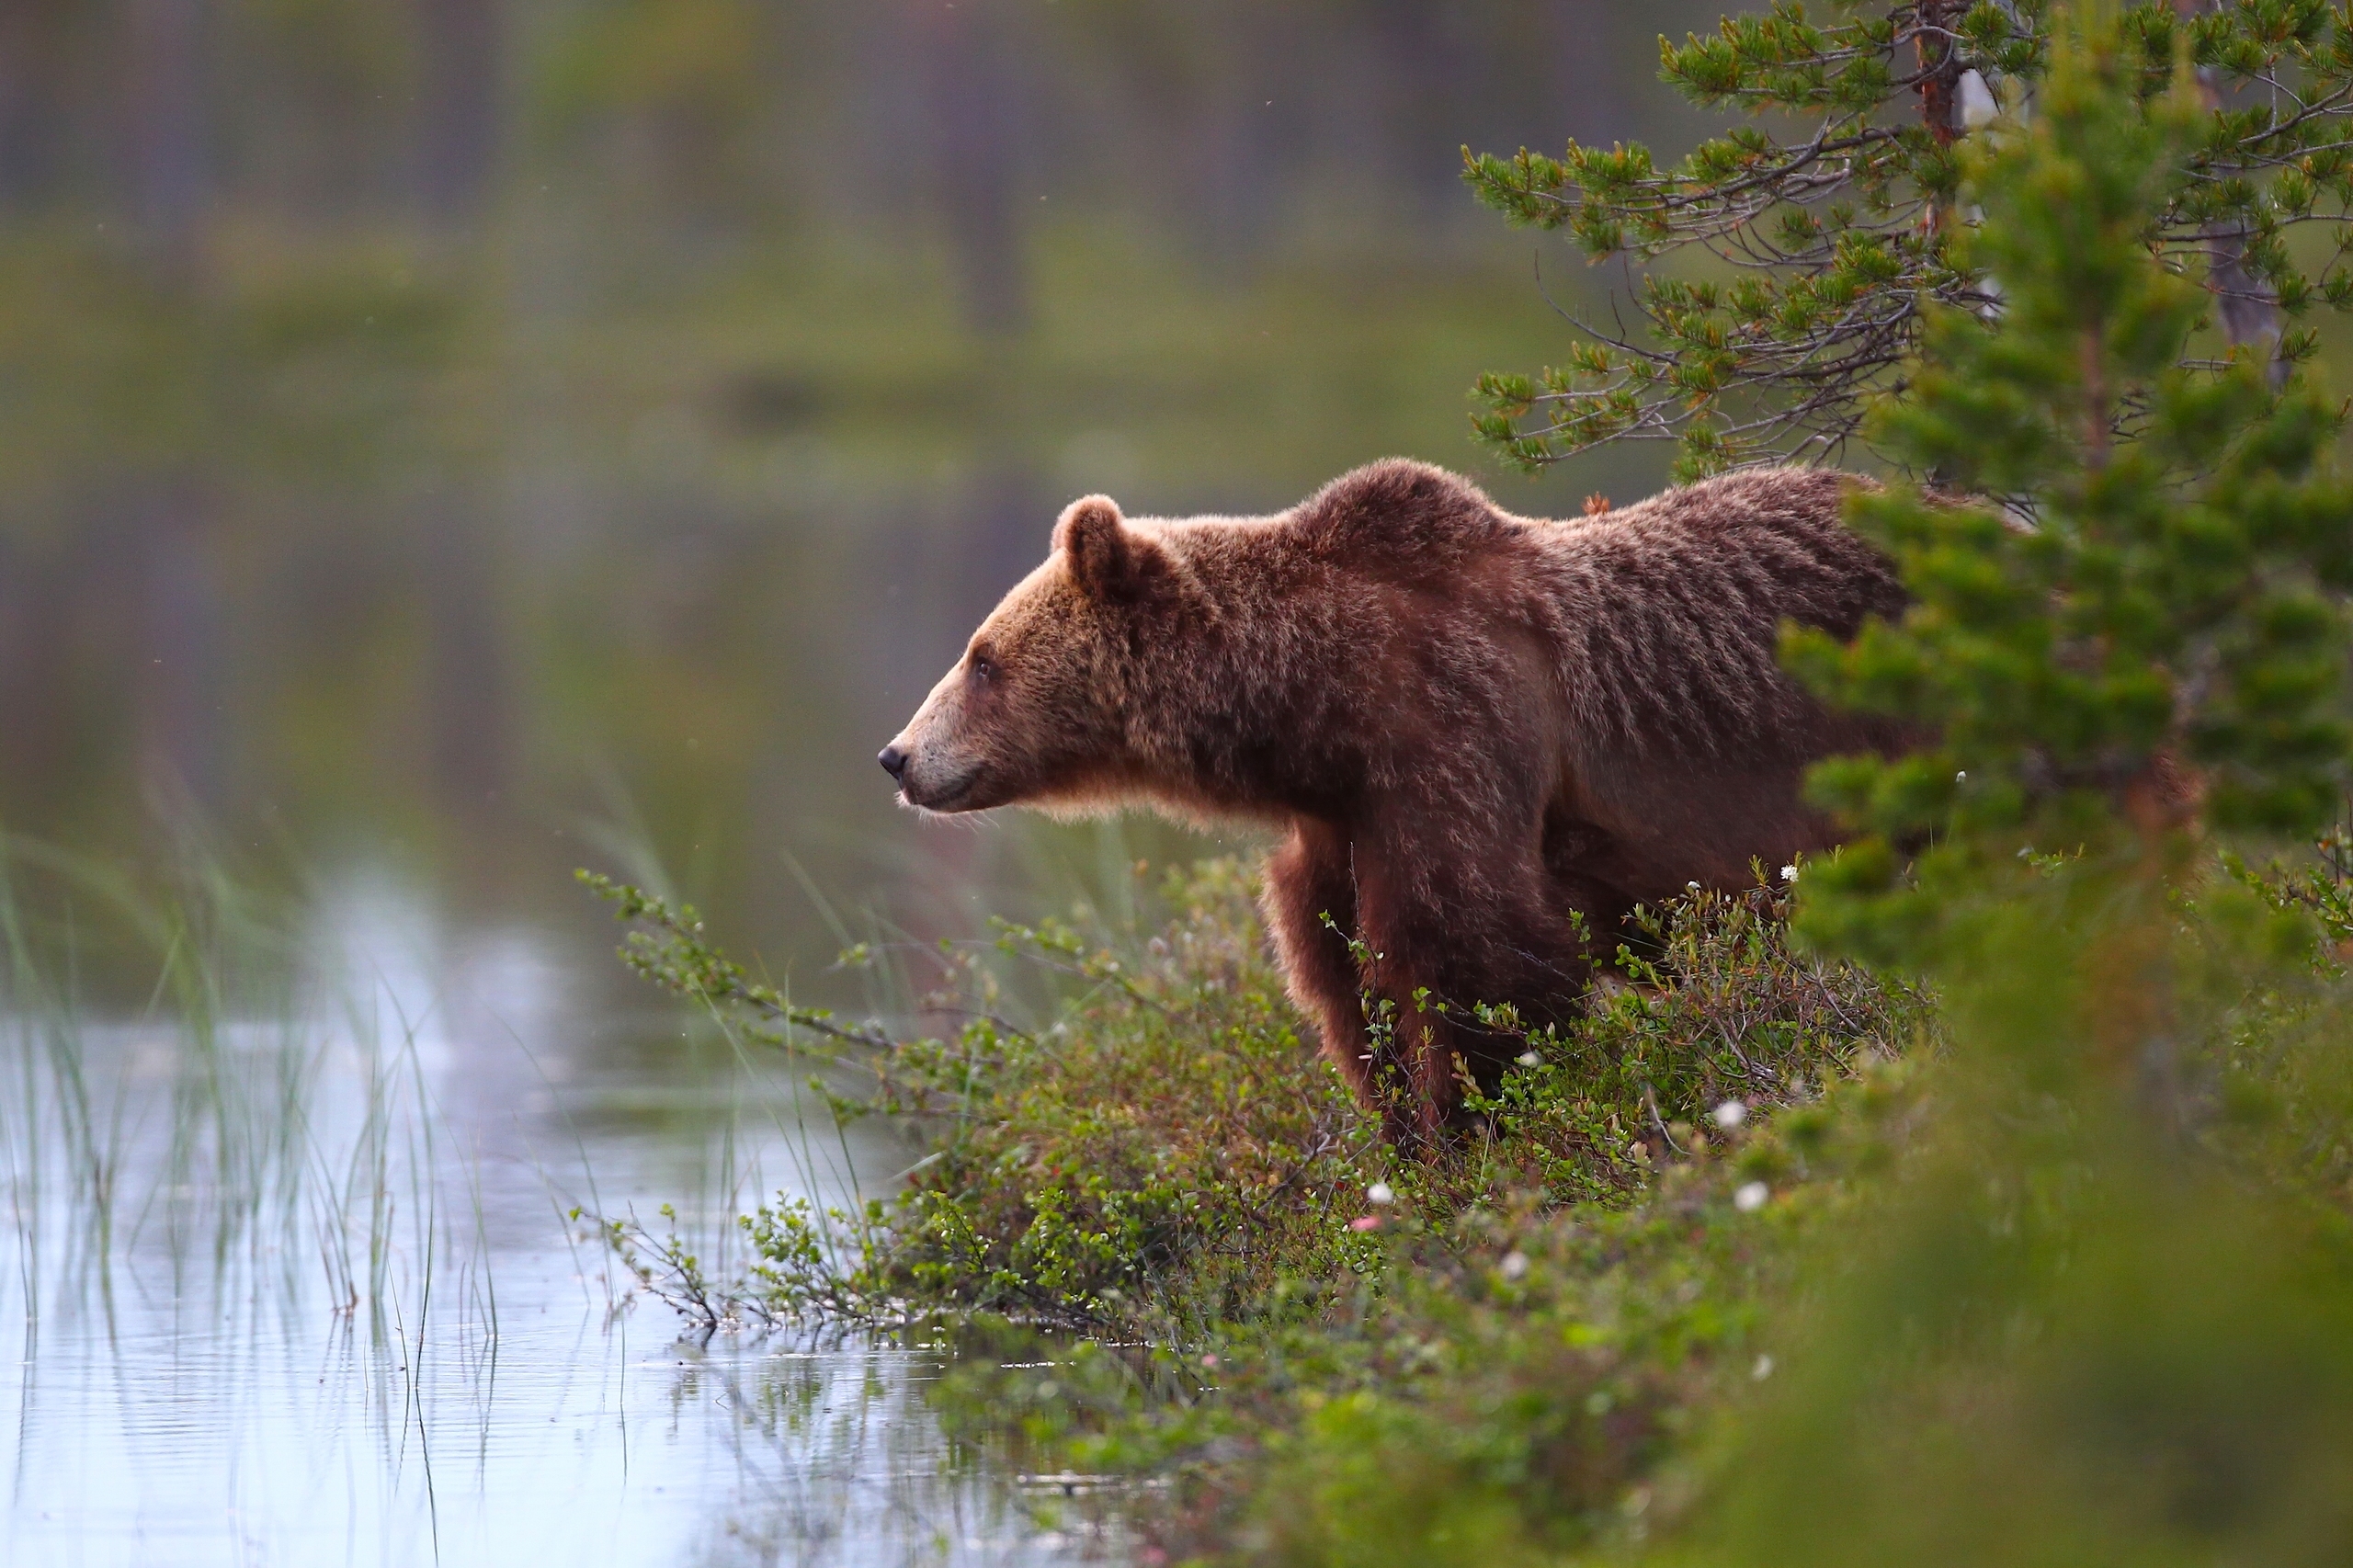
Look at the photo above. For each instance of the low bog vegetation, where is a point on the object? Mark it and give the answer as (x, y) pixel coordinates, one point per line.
(1165, 1149)
(1172, 1248)
(1175, 1222)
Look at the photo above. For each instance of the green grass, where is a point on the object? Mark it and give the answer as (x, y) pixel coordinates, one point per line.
(255, 1133)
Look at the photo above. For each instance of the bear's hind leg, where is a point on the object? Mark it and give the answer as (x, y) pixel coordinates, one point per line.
(1580, 861)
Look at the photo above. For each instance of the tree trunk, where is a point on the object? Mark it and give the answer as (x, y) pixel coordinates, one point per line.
(2249, 310)
(1941, 67)
(165, 120)
(28, 103)
(458, 143)
(972, 96)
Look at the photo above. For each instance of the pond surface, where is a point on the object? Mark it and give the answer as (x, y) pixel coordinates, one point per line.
(578, 434)
(309, 1292)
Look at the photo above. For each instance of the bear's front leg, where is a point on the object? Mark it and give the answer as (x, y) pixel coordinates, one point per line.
(1447, 929)
(1309, 876)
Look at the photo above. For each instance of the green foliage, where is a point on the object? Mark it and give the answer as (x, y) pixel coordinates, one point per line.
(1533, 1381)
(1517, 1380)
(2065, 1328)
(2281, 1082)
(2017, 1330)
(1714, 1006)
(1835, 225)
(1479, 1368)
(1166, 1168)
(665, 945)
(1169, 1155)
(1161, 1155)
(2163, 594)
(2098, 1315)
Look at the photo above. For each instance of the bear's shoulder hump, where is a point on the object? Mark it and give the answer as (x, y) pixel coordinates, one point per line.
(1395, 503)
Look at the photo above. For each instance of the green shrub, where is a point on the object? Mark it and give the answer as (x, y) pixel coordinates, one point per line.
(1152, 1159)
(1525, 1335)
(1715, 1006)
(1158, 1155)
(1517, 1380)
(1168, 1154)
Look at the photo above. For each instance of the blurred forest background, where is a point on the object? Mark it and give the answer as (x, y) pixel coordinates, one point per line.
(428, 426)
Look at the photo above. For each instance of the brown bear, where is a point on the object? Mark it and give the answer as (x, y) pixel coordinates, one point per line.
(1483, 737)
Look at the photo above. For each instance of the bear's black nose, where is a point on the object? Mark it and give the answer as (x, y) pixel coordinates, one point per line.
(893, 761)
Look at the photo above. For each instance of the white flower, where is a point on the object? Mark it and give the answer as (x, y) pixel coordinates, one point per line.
(1961, 777)
(1379, 1195)
(1690, 887)
(1730, 1114)
(1788, 873)
(1751, 1197)
(1515, 1265)
(1763, 1369)
(1529, 1059)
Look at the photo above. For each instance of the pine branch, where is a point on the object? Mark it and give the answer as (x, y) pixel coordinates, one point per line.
(1838, 241)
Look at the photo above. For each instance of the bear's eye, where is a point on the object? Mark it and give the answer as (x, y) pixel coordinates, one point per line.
(983, 667)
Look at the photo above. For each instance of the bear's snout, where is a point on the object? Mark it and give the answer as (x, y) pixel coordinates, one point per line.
(931, 778)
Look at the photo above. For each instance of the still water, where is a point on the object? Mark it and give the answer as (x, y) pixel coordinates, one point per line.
(308, 1291)
(449, 442)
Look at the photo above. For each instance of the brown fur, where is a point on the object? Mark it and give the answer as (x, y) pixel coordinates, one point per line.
(1484, 737)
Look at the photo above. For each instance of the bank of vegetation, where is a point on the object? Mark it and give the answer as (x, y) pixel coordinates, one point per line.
(1979, 1193)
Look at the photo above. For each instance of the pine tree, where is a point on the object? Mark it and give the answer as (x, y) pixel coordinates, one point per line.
(1816, 255)
(2086, 1320)
(2149, 637)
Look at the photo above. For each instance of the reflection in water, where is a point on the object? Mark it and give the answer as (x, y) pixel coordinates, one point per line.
(472, 439)
(437, 421)
(211, 1437)
(306, 1291)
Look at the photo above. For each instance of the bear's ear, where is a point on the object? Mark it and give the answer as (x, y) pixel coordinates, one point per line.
(1109, 561)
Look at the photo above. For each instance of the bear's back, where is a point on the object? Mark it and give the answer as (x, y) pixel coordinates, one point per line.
(1764, 537)
(1666, 614)
(1669, 611)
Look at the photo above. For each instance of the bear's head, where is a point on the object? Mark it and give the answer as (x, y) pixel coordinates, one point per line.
(1038, 709)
